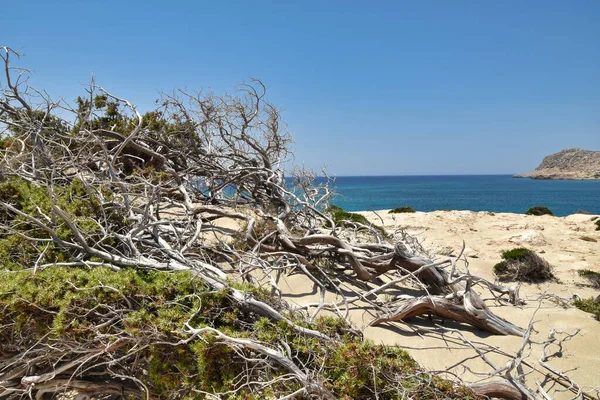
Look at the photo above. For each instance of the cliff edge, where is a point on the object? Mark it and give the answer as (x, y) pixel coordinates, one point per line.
(567, 164)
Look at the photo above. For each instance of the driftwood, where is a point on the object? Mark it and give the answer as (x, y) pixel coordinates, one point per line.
(448, 309)
(499, 389)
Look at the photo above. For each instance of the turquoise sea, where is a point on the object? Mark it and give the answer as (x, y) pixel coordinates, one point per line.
(498, 193)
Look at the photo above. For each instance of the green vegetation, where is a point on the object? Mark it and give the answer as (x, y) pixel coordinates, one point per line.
(339, 216)
(345, 218)
(80, 202)
(592, 276)
(539, 210)
(521, 264)
(153, 308)
(588, 305)
(597, 224)
(405, 209)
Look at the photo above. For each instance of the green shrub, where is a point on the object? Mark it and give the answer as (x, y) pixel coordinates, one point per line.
(339, 216)
(597, 224)
(518, 253)
(345, 218)
(588, 305)
(405, 209)
(592, 276)
(154, 306)
(539, 210)
(82, 204)
(524, 265)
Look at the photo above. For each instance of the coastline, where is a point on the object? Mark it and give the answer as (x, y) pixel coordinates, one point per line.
(486, 234)
(558, 175)
(567, 164)
(497, 193)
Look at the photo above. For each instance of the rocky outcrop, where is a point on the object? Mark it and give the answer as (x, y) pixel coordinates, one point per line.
(567, 164)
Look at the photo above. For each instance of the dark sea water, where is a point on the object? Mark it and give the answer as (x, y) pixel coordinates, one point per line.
(498, 193)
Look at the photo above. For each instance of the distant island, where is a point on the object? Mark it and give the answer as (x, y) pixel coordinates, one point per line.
(567, 164)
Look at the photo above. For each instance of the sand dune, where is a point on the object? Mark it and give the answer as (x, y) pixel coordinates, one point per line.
(557, 239)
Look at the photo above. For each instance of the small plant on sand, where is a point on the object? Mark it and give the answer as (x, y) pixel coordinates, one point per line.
(524, 265)
(597, 224)
(539, 210)
(343, 218)
(405, 209)
(339, 216)
(588, 305)
(592, 276)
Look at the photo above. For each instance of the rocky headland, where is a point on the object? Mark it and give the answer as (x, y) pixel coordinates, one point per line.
(567, 164)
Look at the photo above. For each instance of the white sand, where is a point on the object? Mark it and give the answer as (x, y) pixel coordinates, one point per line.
(556, 239)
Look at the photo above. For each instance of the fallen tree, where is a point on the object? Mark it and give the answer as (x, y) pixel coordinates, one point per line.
(118, 278)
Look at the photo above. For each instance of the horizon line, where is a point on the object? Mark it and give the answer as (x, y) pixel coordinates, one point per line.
(390, 175)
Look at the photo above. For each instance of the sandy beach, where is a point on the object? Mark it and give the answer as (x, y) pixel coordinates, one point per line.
(569, 243)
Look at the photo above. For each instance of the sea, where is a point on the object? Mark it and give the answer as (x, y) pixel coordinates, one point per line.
(496, 193)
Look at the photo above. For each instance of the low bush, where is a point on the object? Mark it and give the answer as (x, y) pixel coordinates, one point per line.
(339, 216)
(405, 209)
(139, 316)
(592, 276)
(344, 218)
(597, 224)
(524, 265)
(539, 210)
(588, 305)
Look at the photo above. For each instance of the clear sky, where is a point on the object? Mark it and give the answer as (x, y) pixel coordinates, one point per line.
(366, 87)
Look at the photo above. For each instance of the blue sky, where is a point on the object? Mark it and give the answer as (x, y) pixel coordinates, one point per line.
(366, 88)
